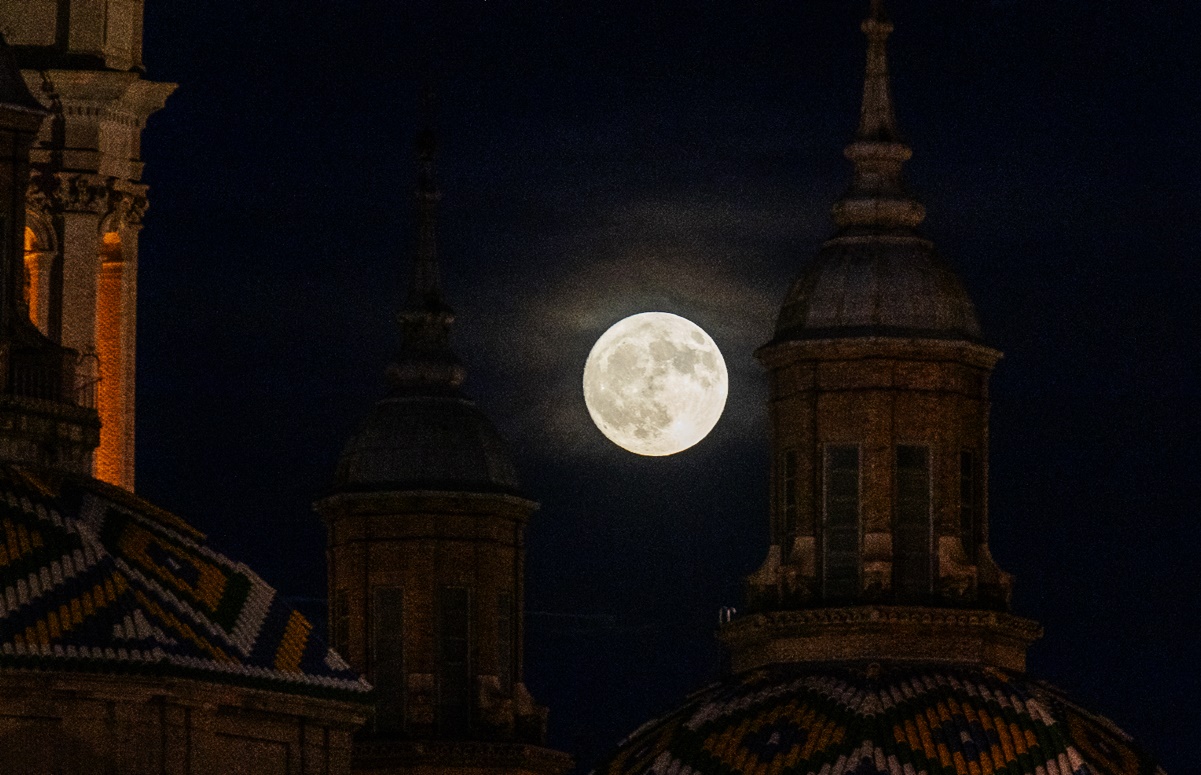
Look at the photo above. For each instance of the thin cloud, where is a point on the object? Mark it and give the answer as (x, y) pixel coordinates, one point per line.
(716, 263)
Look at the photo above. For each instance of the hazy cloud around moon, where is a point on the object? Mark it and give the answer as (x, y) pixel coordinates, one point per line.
(722, 265)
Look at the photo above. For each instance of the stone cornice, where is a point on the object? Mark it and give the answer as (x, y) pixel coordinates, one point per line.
(880, 633)
(780, 353)
(98, 93)
(362, 504)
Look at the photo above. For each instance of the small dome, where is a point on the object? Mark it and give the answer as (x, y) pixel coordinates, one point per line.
(421, 441)
(912, 720)
(875, 285)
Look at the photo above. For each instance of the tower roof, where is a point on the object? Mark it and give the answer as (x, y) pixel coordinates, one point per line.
(95, 579)
(426, 433)
(877, 276)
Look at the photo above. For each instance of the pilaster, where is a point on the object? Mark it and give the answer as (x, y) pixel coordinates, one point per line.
(87, 197)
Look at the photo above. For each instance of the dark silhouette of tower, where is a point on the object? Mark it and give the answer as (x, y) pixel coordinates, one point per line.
(426, 528)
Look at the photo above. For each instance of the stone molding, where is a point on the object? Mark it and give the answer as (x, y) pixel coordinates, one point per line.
(880, 633)
(353, 504)
(786, 352)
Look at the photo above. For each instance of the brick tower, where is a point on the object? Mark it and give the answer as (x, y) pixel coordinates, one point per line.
(877, 637)
(82, 60)
(879, 405)
(426, 557)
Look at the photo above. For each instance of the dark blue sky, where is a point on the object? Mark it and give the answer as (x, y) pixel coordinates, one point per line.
(601, 159)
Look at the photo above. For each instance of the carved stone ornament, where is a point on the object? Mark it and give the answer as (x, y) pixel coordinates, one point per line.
(36, 197)
(72, 192)
(80, 193)
(127, 209)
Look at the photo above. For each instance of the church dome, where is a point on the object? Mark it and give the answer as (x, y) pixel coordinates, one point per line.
(868, 720)
(419, 441)
(877, 286)
(877, 276)
(96, 580)
(425, 434)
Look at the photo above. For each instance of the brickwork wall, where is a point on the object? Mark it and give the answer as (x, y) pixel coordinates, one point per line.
(423, 544)
(877, 394)
(63, 724)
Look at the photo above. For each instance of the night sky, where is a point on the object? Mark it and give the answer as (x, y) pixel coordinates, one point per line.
(601, 159)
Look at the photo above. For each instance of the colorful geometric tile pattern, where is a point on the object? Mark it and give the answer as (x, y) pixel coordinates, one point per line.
(902, 720)
(94, 578)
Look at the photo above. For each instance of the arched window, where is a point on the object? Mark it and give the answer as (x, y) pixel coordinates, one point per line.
(506, 639)
(387, 659)
(788, 497)
(969, 517)
(840, 523)
(912, 530)
(38, 258)
(454, 661)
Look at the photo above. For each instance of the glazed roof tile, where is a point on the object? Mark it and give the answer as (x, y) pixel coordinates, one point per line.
(905, 720)
(94, 578)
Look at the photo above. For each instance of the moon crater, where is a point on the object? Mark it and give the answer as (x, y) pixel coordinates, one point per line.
(655, 383)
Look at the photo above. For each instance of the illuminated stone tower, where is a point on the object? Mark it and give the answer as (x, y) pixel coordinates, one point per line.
(45, 421)
(426, 557)
(82, 60)
(879, 407)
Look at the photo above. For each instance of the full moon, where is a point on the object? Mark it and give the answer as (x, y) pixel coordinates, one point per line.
(655, 383)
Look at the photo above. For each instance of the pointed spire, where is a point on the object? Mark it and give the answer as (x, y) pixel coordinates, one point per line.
(426, 287)
(877, 199)
(426, 359)
(877, 121)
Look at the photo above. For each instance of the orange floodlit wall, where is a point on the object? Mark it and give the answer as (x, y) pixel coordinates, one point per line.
(36, 279)
(31, 283)
(112, 463)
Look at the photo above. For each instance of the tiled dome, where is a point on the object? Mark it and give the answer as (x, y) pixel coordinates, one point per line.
(423, 441)
(877, 286)
(95, 579)
(868, 720)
